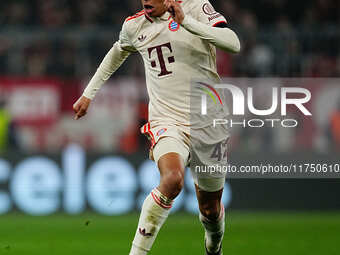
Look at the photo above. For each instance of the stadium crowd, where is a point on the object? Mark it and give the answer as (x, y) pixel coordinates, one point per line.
(57, 13)
(279, 37)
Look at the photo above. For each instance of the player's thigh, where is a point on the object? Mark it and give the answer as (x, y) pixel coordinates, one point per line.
(208, 163)
(170, 149)
(170, 156)
(171, 163)
(208, 183)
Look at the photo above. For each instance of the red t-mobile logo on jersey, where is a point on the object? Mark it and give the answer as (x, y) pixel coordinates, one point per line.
(161, 59)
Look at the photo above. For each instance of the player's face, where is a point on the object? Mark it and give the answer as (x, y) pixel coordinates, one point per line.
(154, 8)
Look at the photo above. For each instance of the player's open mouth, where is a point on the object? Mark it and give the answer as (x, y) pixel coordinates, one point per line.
(148, 9)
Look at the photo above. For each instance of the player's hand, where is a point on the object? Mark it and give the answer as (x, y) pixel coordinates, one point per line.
(80, 107)
(175, 10)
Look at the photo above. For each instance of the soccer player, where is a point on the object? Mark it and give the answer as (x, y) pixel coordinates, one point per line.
(177, 41)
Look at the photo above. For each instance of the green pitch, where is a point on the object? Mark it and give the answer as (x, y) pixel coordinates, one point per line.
(247, 233)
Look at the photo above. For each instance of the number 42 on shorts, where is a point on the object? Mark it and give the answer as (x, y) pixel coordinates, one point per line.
(220, 150)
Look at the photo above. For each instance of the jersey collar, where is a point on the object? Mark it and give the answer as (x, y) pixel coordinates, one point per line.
(165, 16)
(148, 18)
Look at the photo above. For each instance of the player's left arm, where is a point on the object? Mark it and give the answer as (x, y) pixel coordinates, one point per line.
(220, 35)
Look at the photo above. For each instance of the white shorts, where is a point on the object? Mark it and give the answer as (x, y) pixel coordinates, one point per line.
(167, 139)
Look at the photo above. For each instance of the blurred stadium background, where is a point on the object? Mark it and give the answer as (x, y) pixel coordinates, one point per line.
(86, 179)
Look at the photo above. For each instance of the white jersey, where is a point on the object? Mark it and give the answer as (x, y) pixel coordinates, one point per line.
(173, 57)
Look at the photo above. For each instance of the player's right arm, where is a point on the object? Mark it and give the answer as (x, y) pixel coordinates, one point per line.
(111, 62)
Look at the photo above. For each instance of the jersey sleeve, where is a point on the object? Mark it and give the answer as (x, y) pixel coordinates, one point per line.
(111, 62)
(124, 40)
(206, 13)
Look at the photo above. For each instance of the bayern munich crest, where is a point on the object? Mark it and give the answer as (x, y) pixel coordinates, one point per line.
(173, 26)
